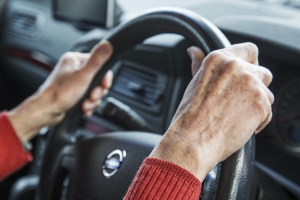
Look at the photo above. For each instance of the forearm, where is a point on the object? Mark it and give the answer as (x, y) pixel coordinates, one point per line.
(33, 114)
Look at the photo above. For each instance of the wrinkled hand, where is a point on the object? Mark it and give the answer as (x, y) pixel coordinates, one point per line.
(225, 103)
(71, 78)
(65, 86)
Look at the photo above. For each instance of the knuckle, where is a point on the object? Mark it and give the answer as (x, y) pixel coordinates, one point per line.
(259, 95)
(214, 57)
(67, 58)
(261, 103)
(268, 75)
(67, 55)
(253, 48)
(232, 66)
(249, 79)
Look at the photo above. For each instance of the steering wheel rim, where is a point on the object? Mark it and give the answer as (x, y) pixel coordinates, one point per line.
(232, 178)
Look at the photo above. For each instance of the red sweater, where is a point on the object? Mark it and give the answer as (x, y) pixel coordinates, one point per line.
(156, 179)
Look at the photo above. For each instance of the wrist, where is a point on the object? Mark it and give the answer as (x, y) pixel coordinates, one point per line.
(182, 153)
(32, 115)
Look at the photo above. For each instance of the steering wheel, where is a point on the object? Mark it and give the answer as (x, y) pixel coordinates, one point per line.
(103, 167)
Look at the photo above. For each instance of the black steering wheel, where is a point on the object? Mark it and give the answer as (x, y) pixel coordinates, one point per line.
(78, 169)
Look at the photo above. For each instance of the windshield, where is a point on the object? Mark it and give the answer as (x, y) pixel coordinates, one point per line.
(134, 6)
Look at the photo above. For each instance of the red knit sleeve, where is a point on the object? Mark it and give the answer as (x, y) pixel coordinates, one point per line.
(12, 154)
(158, 179)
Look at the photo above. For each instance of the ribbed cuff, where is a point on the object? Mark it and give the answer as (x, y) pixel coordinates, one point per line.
(12, 154)
(159, 179)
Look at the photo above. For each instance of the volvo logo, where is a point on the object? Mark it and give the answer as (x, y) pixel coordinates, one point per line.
(113, 162)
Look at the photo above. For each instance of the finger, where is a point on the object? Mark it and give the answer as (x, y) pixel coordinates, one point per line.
(99, 55)
(197, 56)
(246, 51)
(86, 105)
(96, 93)
(270, 95)
(262, 73)
(89, 105)
(92, 110)
(268, 108)
(104, 92)
(88, 113)
(107, 80)
(265, 123)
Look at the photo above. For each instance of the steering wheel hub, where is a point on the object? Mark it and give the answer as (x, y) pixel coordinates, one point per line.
(113, 163)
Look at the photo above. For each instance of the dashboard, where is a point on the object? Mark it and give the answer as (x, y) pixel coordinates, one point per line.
(151, 78)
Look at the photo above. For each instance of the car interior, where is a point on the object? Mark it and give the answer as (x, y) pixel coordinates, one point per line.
(149, 81)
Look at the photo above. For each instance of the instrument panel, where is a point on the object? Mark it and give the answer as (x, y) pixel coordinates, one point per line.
(287, 115)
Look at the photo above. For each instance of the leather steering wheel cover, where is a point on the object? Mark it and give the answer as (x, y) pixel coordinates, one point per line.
(233, 180)
(166, 20)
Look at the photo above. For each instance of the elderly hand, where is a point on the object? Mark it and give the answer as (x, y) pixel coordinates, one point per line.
(67, 83)
(225, 103)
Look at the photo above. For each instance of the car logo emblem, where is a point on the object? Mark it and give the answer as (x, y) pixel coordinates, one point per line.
(113, 162)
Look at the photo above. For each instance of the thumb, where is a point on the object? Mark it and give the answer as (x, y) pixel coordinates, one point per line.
(99, 55)
(197, 56)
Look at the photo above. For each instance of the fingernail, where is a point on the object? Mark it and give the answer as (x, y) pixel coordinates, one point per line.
(88, 106)
(97, 94)
(106, 48)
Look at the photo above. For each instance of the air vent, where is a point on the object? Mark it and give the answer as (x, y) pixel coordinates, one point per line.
(24, 24)
(137, 85)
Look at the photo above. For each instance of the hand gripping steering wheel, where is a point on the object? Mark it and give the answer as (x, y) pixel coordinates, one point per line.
(76, 169)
